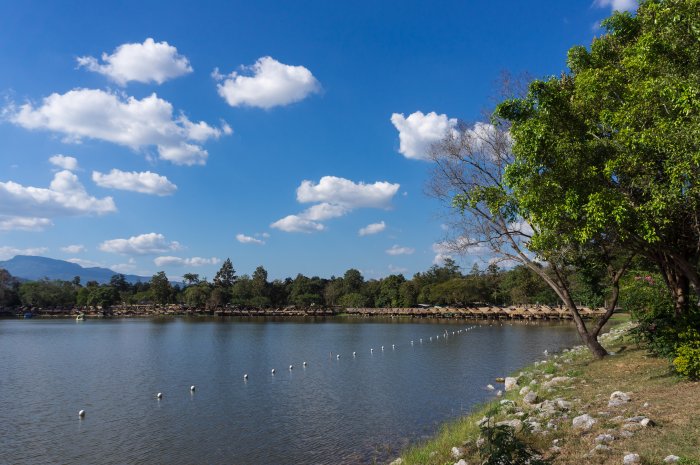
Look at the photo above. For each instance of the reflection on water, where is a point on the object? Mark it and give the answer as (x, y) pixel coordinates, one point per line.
(347, 410)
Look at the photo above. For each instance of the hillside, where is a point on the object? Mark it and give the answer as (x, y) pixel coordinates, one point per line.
(34, 268)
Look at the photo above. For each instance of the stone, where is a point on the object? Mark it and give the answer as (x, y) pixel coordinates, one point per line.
(457, 453)
(556, 381)
(563, 404)
(516, 424)
(524, 390)
(632, 427)
(499, 393)
(646, 404)
(555, 449)
(636, 419)
(631, 459)
(480, 442)
(530, 398)
(535, 426)
(600, 448)
(618, 398)
(511, 383)
(500, 380)
(583, 422)
(398, 461)
(461, 462)
(604, 438)
(482, 422)
(533, 382)
(647, 422)
(490, 387)
(626, 434)
(672, 459)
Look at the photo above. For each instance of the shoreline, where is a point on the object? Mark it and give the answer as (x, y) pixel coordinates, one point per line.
(574, 409)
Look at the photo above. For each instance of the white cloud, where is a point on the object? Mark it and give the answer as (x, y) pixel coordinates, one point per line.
(337, 197)
(343, 192)
(7, 252)
(243, 239)
(147, 62)
(271, 84)
(296, 223)
(419, 131)
(373, 228)
(398, 250)
(617, 5)
(85, 263)
(64, 162)
(65, 196)
(128, 121)
(23, 223)
(461, 245)
(77, 248)
(124, 267)
(177, 261)
(397, 269)
(144, 182)
(151, 243)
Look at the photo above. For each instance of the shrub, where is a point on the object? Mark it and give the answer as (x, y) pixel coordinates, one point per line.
(503, 447)
(687, 361)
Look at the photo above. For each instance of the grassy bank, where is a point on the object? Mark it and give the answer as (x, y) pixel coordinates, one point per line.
(572, 384)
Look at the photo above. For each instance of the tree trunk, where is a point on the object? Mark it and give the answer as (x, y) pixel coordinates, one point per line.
(594, 346)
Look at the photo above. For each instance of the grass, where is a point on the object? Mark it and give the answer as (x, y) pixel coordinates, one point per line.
(672, 404)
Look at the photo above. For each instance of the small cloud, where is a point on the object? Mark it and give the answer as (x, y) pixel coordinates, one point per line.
(64, 162)
(419, 131)
(144, 244)
(143, 182)
(148, 62)
(23, 223)
(397, 269)
(124, 267)
(177, 261)
(373, 228)
(617, 5)
(397, 250)
(77, 248)
(7, 252)
(270, 84)
(243, 239)
(295, 223)
(85, 263)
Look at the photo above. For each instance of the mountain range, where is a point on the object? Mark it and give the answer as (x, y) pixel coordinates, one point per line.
(33, 268)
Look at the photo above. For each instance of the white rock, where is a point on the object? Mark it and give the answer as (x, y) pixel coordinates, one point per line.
(632, 427)
(499, 393)
(482, 422)
(398, 461)
(524, 390)
(511, 383)
(556, 381)
(672, 459)
(517, 425)
(530, 398)
(461, 462)
(490, 387)
(564, 404)
(631, 459)
(456, 452)
(604, 438)
(601, 448)
(646, 422)
(618, 398)
(584, 422)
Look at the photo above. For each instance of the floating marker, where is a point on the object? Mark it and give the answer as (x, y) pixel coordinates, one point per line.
(337, 357)
(371, 350)
(411, 342)
(272, 371)
(159, 395)
(305, 362)
(81, 414)
(245, 376)
(291, 367)
(393, 346)
(192, 388)
(353, 354)
(382, 347)
(421, 341)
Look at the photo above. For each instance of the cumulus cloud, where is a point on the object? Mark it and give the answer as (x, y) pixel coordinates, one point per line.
(64, 162)
(128, 121)
(336, 197)
(124, 267)
(144, 182)
(65, 196)
(398, 250)
(269, 84)
(147, 62)
(178, 261)
(243, 239)
(297, 223)
(85, 263)
(617, 5)
(23, 223)
(144, 244)
(373, 228)
(418, 131)
(76, 248)
(7, 252)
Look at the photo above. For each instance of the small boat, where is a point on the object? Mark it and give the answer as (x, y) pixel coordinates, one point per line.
(80, 317)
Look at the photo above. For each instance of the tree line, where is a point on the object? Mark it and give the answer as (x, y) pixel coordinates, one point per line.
(443, 284)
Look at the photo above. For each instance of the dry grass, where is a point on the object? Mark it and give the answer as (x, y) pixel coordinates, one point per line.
(672, 404)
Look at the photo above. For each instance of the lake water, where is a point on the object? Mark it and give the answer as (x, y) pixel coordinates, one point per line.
(333, 411)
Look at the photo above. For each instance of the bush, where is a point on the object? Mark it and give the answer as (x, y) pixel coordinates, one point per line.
(687, 361)
(503, 447)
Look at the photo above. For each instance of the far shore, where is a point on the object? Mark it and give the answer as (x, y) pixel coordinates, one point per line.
(525, 312)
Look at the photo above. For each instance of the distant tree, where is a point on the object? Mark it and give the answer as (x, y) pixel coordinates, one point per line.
(226, 275)
(408, 294)
(161, 290)
(390, 291)
(196, 295)
(9, 289)
(260, 287)
(190, 279)
(46, 293)
(352, 281)
(333, 291)
(119, 282)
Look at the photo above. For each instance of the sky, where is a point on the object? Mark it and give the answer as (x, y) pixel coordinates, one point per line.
(147, 136)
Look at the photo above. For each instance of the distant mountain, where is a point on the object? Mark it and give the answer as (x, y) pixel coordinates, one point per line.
(34, 268)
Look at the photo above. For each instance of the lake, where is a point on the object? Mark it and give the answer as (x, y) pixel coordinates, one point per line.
(334, 410)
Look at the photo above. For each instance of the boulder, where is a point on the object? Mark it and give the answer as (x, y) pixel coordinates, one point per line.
(511, 383)
(600, 448)
(564, 404)
(604, 438)
(461, 462)
(618, 398)
(631, 459)
(583, 422)
(556, 381)
(490, 387)
(457, 453)
(516, 424)
(671, 459)
(524, 390)
(398, 461)
(530, 398)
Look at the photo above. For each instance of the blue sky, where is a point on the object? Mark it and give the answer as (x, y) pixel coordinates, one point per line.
(147, 136)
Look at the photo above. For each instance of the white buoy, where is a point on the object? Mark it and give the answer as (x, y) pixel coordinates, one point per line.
(393, 346)
(192, 388)
(159, 395)
(291, 367)
(272, 371)
(382, 347)
(421, 340)
(305, 362)
(337, 356)
(371, 350)
(411, 342)
(81, 414)
(245, 376)
(353, 354)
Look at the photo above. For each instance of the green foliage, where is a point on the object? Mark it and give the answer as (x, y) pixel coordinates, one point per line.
(687, 361)
(226, 275)
(45, 293)
(161, 290)
(502, 446)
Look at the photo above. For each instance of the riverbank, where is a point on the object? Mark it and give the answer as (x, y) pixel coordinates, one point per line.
(573, 410)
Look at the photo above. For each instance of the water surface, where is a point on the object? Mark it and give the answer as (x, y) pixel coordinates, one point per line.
(347, 410)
